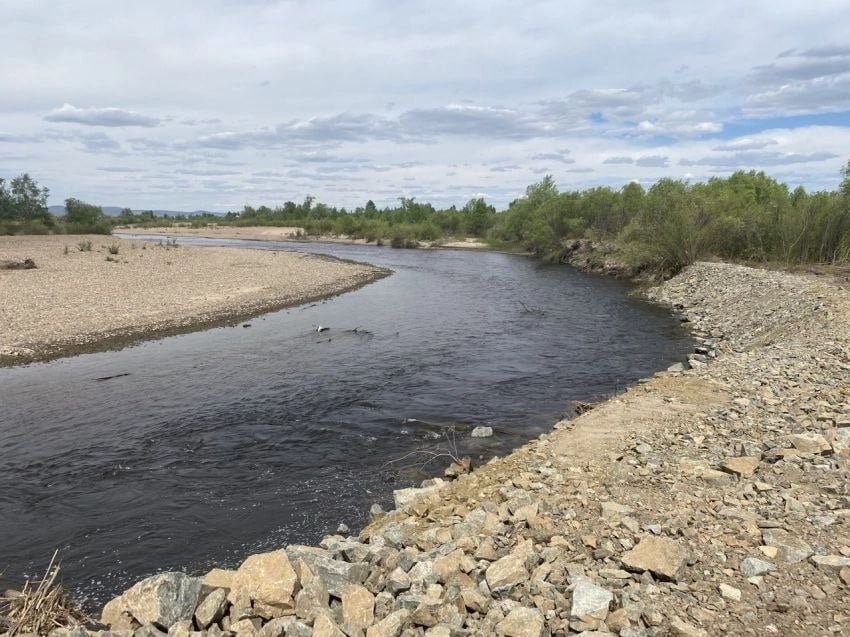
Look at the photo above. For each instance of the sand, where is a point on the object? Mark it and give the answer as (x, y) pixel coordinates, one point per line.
(77, 301)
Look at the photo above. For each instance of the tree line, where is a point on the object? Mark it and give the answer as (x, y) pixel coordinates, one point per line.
(747, 216)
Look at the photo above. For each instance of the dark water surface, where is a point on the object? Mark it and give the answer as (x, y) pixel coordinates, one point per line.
(232, 440)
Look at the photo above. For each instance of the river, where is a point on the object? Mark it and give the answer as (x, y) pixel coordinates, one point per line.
(205, 447)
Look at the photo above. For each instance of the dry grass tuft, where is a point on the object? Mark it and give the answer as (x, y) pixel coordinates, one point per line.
(41, 607)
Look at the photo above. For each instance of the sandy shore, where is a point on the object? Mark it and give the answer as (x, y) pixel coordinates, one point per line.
(265, 233)
(78, 301)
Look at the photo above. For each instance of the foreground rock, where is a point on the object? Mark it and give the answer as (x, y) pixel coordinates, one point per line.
(709, 501)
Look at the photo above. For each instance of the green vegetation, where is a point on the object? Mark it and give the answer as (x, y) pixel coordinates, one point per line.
(747, 216)
(23, 210)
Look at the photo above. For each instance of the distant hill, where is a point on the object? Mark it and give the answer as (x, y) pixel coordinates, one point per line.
(114, 211)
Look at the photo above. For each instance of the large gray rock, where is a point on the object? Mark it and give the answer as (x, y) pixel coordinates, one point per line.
(660, 556)
(753, 567)
(590, 601)
(335, 574)
(163, 600)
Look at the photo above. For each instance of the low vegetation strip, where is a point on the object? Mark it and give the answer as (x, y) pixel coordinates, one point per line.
(87, 293)
(711, 499)
(653, 231)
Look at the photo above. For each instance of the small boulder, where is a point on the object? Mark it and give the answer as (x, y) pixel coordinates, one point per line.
(164, 599)
(268, 580)
(790, 548)
(358, 608)
(753, 567)
(743, 466)
(522, 622)
(810, 443)
(660, 556)
(482, 432)
(506, 572)
(590, 602)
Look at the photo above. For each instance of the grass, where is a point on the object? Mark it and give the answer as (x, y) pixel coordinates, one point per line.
(40, 607)
(114, 248)
(84, 246)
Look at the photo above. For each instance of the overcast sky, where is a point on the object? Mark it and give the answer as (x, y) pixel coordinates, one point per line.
(215, 104)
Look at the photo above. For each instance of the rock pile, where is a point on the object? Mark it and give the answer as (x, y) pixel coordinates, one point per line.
(709, 501)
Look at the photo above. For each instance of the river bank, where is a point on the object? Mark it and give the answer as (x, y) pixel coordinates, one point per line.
(708, 500)
(286, 233)
(89, 293)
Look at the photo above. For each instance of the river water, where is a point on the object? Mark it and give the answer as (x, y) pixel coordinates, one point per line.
(234, 440)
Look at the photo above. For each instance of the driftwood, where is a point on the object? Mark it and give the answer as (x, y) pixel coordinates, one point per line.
(11, 264)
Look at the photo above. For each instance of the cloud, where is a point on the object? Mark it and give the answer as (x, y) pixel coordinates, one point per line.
(818, 95)
(746, 143)
(758, 159)
(99, 117)
(97, 143)
(12, 138)
(476, 121)
(682, 128)
(618, 160)
(652, 161)
(560, 156)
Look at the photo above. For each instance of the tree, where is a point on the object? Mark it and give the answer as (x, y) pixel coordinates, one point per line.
(24, 199)
(477, 216)
(82, 213)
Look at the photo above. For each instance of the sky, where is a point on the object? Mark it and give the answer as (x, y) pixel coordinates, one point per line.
(217, 104)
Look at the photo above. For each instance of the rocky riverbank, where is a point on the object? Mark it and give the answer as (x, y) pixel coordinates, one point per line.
(712, 499)
(89, 293)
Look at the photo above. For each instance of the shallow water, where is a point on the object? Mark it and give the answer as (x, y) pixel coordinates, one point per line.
(236, 440)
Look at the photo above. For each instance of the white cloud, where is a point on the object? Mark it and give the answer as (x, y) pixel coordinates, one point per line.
(99, 117)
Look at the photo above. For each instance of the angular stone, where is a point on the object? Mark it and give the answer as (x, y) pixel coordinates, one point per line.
(163, 599)
(181, 629)
(590, 601)
(358, 608)
(615, 510)
(743, 466)
(389, 626)
(810, 443)
(218, 578)
(830, 562)
(730, 592)
(324, 626)
(397, 581)
(506, 572)
(753, 567)
(790, 548)
(660, 556)
(447, 565)
(267, 579)
(522, 622)
(149, 630)
(211, 609)
(405, 497)
(475, 600)
(335, 574)
(681, 628)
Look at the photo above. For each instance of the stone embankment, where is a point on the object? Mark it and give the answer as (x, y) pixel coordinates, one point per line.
(712, 499)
